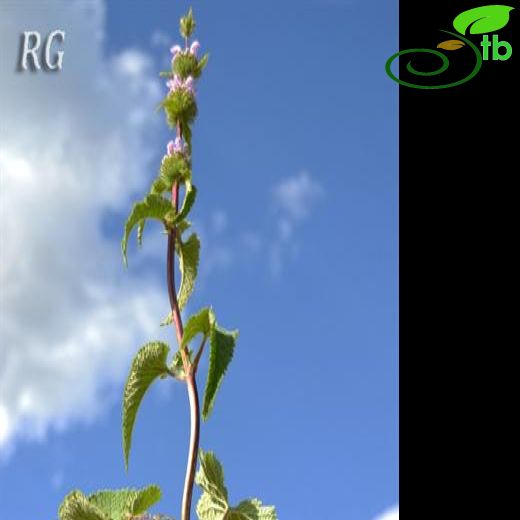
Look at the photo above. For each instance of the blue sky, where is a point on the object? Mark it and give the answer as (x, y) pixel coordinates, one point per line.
(295, 158)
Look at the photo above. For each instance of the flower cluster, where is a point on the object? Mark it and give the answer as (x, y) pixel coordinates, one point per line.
(181, 85)
(175, 147)
(176, 83)
(193, 49)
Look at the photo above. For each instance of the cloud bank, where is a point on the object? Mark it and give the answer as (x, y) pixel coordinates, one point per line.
(73, 147)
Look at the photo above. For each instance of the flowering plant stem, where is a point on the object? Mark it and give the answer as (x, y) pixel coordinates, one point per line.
(151, 361)
(190, 369)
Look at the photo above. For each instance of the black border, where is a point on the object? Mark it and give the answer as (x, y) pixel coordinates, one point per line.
(458, 260)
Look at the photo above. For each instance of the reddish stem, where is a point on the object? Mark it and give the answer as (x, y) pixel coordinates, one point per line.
(189, 369)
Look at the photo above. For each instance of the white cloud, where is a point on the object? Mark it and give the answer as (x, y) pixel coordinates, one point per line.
(294, 196)
(294, 199)
(73, 146)
(389, 514)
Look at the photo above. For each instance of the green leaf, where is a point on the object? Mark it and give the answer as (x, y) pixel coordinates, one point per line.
(112, 503)
(222, 345)
(108, 504)
(144, 499)
(209, 508)
(189, 252)
(251, 509)
(481, 20)
(187, 203)
(153, 206)
(203, 62)
(210, 476)
(200, 323)
(148, 365)
(76, 506)
(214, 504)
(158, 186)
(182, 226)
(121, 503)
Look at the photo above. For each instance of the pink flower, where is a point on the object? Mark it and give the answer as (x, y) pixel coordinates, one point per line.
(189, 83)
(178, 146)
(176, 83)
(194, 48)
(174, 147)
(176, 49)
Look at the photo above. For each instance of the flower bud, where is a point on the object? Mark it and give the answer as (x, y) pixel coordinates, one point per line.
(189, 84)
(194, 48)
(170, 147)
(178, 146)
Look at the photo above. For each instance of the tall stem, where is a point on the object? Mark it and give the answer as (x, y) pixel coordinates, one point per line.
(189, 370)
(194, 446)
(177, 320)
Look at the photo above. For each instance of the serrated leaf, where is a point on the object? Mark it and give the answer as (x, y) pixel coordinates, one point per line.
(200, 323)
(108, 504)
(153, 206)
(214, 504)
(76, 506)
(451, 45)
(187, 203)
(210, 476)
(111, 502)
(120, 504)
(144, 499)
(209, 508)
(481, 20)
(189, 252)
(222, 345)
(252, 509)
(148, 365)
(158, 187)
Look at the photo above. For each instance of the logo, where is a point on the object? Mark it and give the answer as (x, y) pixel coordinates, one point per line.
(480, 20)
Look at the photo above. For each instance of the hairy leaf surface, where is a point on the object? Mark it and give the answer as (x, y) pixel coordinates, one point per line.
(148, 365)
(153, 206)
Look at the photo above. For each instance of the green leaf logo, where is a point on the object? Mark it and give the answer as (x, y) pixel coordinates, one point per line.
(481, 20)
